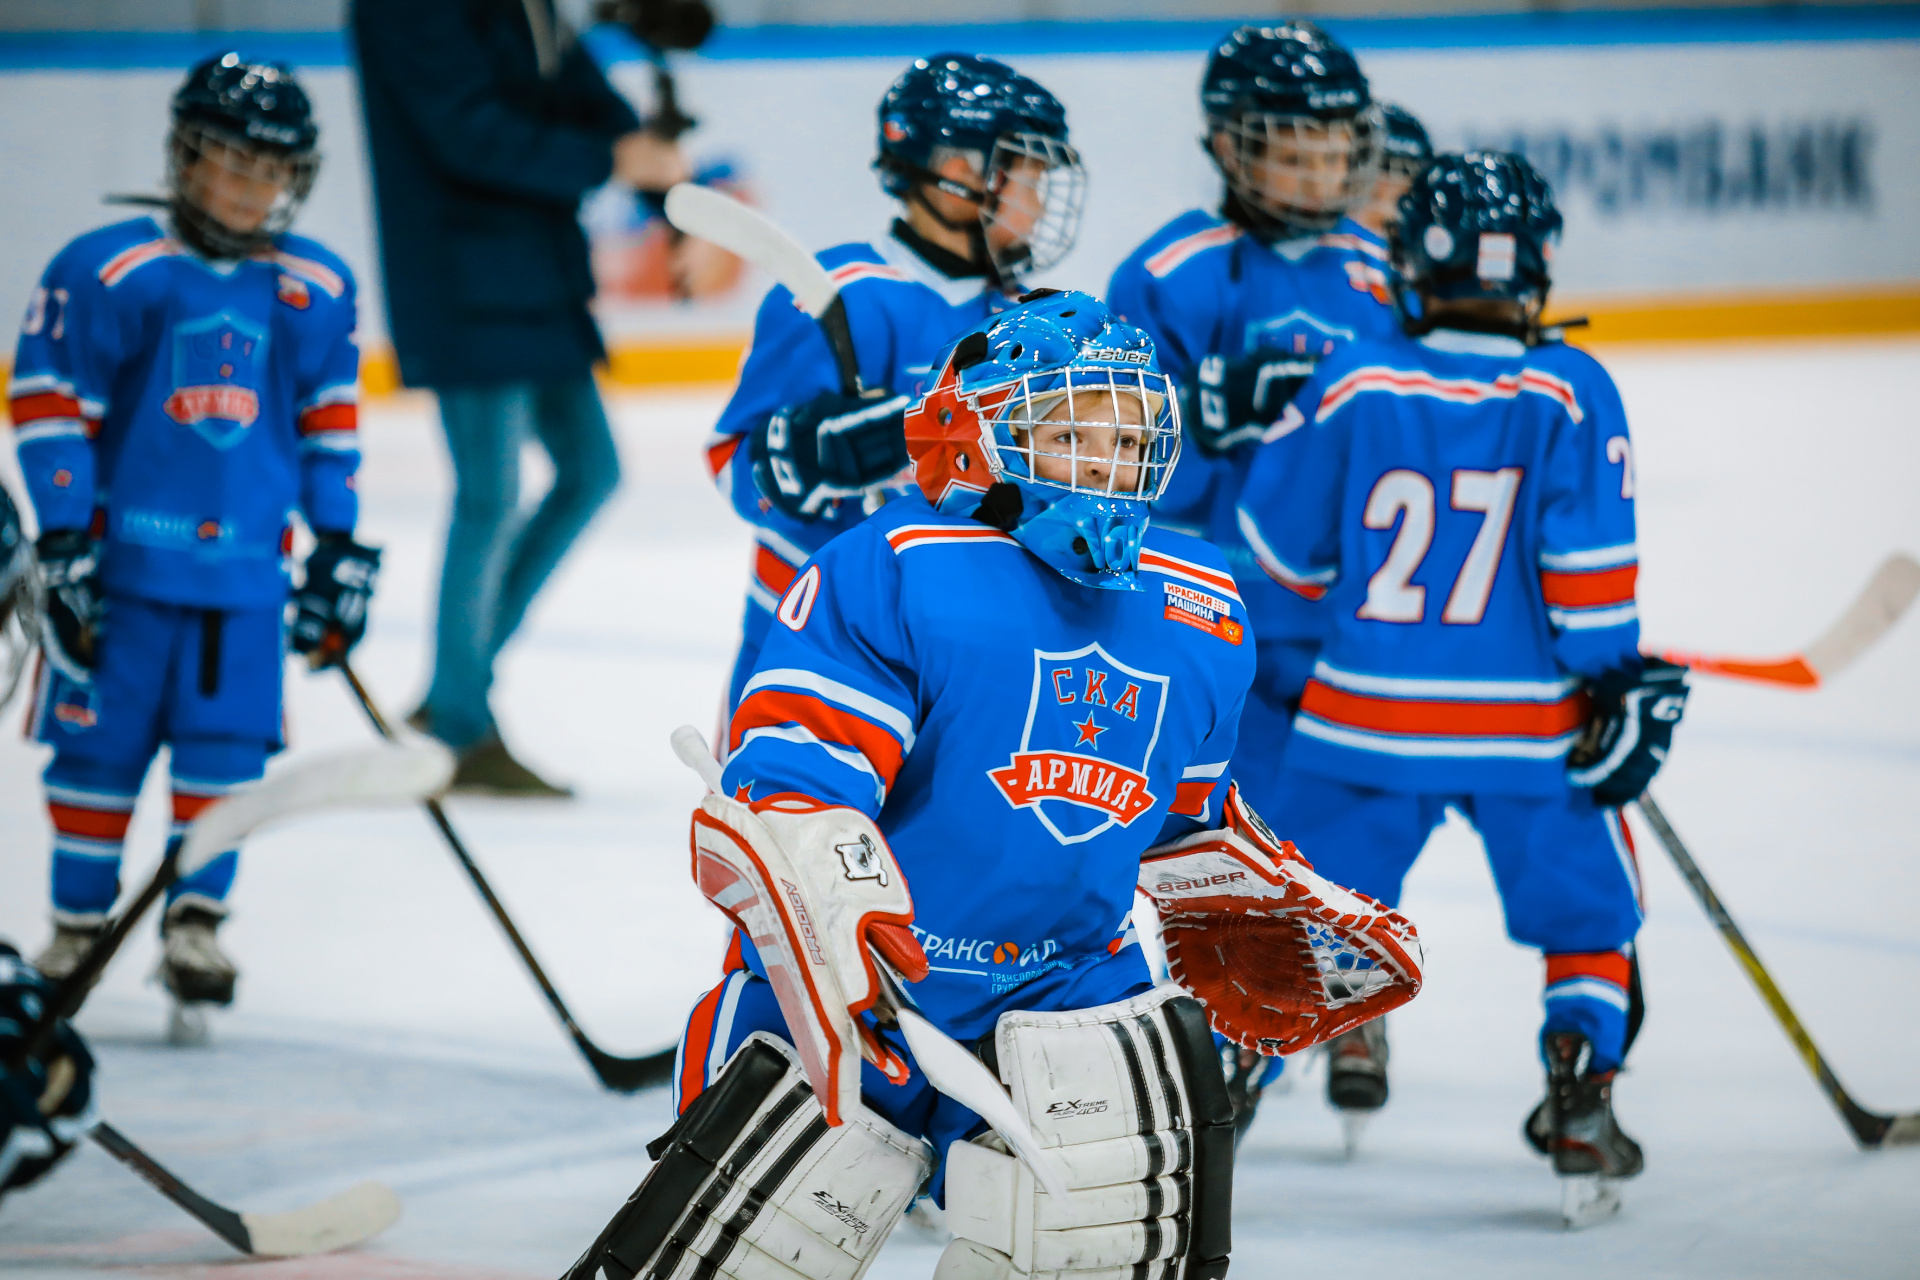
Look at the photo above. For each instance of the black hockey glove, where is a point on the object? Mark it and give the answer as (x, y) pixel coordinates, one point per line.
(45, 1103)
(1626, 740)
(70, 573)
(330, 608)
(833, 446)
(1234, 398)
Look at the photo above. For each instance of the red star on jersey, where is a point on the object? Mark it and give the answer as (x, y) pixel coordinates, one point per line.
(1089, 732)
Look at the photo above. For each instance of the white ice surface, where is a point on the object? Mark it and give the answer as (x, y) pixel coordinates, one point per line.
(385, 1030)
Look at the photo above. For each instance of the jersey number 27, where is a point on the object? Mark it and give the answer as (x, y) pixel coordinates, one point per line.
(1407, 497)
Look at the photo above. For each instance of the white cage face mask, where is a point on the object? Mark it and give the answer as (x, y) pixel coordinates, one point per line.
(238, 195)
(1108, 433)
(1303, 172)
(1036, 187)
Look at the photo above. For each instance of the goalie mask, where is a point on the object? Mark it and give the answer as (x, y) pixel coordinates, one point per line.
(1053, 422)
(1292, 128)
(241, 158)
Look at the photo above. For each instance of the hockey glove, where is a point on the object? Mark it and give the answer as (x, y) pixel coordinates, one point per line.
(1234, 399)
(1281, 957)
(46, 1103)
(833, 446)
(70, 574)
(818, 891)
(330, 609)
(1626, 738)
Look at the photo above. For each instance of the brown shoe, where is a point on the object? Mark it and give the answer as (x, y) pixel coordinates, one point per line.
(489, 769)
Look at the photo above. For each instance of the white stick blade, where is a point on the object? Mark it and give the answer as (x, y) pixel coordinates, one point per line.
(1887, 595)
(718, 217)
(369, 777)
(694, 753)
(965, 1079)
(356, 1214)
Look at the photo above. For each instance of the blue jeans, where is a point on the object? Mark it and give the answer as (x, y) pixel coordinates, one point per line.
(497, 560)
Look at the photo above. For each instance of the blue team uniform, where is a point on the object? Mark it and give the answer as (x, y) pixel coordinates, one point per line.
(185, 412)
(1202, 286)
(1462, 506)
(1020, 739)
(901, 313)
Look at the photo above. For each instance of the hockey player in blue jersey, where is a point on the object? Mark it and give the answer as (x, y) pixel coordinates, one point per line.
(178, 395)
(1460, 498)
(991, 191)
(975, 716)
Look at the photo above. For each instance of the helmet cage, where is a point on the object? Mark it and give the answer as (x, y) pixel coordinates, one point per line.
(1331, 164)
(289, 173)
(1121, 430)
(1036, 190)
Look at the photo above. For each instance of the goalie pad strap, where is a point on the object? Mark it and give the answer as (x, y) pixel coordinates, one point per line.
(753, 1184)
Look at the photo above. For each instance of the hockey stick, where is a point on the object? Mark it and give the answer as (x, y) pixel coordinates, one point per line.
(1870, 1129)
(371, 776)
(720, 219)
(1879, 605)
(949, 1067)
(337, 1222)
(622, 1075)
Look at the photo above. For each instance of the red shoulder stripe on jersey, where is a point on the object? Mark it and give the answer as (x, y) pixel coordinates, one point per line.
(923, 535)
(1589, 590)
(775, 574)
(773, 708)
(330, 417)
(1341, 240)
(1413, 382)
(1608, 966)
(1438, 718)
(1190, 798)
(92, 824)
(846, 275)
(1169, 259)
(1174, 567)
(44, 404)
(721, 453)
(316, 272)
(128, 260)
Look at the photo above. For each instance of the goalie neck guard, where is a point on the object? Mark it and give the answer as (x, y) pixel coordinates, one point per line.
(1053, 422)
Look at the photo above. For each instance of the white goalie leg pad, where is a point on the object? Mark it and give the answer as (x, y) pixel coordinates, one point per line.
(752, 1183)
(817, 889)
(1130, 1098)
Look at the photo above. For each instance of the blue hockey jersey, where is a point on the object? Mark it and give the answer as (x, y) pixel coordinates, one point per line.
(1202, 286)
(1020, 739)
(902, 313)
(185, 410)
(1464, 504)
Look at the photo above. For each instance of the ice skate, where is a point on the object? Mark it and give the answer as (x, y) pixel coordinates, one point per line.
(1357, 1078)
(193, 968)
(73, 936)
(1575, 1127)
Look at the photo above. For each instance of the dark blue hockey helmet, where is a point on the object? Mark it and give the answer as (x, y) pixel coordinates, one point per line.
(241, 158)
(1476, 226)
(1292, 127)
(1028, 179)
(1406, 148)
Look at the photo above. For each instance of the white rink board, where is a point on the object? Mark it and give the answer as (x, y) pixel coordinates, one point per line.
(385, 1030)
(1652, 147)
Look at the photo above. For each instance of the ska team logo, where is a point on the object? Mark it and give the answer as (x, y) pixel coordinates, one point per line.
(1092, 724)
(216, 373)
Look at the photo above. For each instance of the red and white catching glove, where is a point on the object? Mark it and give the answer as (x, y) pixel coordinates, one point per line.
(1282, 958)
(819, 892)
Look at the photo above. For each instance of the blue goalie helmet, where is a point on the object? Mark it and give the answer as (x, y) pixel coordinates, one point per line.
(1476, 226)
(1053, 422)
(1025, 177)
(253, 121)
(1292, 127)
